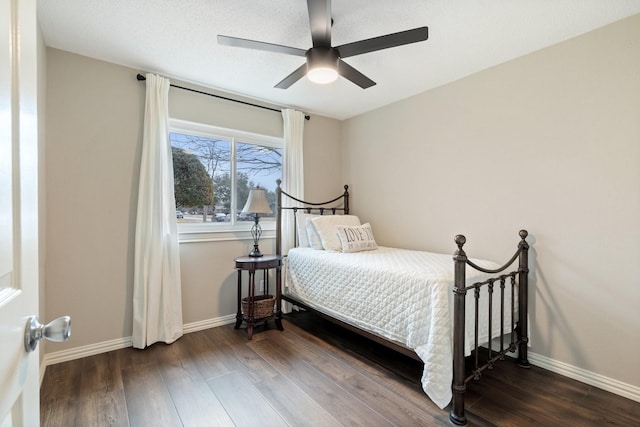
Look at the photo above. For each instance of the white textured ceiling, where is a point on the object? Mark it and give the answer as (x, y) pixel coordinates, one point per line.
(178, 39)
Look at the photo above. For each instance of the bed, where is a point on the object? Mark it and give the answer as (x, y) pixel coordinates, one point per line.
(429, 306)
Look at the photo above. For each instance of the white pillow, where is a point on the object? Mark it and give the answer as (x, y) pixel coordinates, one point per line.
(326, 228)
(357, 238)
(301, 229)
(313, 238)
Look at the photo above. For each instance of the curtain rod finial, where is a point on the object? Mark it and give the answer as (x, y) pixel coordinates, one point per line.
(140, 77)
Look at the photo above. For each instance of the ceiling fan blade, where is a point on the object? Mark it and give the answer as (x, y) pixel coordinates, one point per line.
(355, 76)
(320, 22)
(253, 44)
(293, 77)
(383, 42)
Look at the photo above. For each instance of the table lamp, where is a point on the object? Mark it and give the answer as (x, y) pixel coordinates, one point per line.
(257, 204)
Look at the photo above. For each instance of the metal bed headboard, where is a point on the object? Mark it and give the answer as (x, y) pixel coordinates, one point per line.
(307, 207)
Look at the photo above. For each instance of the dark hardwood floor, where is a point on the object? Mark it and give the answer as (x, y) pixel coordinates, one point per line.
(312, 374)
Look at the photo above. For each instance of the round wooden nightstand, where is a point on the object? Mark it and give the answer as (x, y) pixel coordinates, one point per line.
(251, 265)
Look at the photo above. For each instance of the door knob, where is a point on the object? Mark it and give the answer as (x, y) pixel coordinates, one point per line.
(57, 330)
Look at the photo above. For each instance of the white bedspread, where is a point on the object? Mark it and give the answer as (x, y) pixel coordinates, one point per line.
(402, 295)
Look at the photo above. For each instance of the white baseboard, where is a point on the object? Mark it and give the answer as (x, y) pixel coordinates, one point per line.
(86, 350)
(119, 343)
(209, 323)
(600, 381)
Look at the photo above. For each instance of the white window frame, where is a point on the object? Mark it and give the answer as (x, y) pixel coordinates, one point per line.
(233, 230)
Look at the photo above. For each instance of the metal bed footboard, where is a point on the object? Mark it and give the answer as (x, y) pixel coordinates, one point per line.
(460, 379)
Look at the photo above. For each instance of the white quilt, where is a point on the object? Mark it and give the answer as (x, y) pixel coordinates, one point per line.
(402, 295)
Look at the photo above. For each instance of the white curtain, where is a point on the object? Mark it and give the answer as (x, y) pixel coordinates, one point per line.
(157, 302)
(292, 170)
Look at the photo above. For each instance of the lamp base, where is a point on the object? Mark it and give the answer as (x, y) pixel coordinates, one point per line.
(256, 232)
(255, 252)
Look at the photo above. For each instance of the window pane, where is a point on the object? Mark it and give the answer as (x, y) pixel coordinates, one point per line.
(257, 166)
(202, 171)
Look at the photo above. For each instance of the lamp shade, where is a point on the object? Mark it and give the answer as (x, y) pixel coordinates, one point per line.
(257, 202)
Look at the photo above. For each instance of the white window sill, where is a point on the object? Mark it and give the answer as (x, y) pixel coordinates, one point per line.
(221, 233)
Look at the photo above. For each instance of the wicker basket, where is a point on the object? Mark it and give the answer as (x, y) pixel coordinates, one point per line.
(262, 306)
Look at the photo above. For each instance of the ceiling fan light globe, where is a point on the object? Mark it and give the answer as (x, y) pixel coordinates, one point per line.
(322, 75)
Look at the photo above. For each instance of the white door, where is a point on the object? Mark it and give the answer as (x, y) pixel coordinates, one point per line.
(19, 275)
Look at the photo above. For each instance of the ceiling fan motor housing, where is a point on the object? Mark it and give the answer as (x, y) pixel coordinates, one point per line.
(322, 64)
(322, 57)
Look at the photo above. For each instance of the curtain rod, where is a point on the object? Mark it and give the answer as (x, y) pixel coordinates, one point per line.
(140, 78)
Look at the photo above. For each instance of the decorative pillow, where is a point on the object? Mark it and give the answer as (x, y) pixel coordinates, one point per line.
(326, 228)
(301, 229)
(313, 238)
(356, 238)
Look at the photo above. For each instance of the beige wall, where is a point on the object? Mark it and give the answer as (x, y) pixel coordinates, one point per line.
(94, 131)
(549, 142)
(322, 159)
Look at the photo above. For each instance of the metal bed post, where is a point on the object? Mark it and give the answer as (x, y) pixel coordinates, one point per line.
(345, 197)
(279, 253)
(278, 219)
(523, 303)
(458, 386)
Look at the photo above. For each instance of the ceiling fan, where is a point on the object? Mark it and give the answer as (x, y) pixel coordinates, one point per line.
(324, 62)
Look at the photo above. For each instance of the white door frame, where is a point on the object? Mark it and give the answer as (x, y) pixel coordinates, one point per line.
(19, 247)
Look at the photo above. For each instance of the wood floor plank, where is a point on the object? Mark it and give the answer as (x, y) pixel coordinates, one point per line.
(244, 403)
(236, 344)
(507, 371)
(104, 409)
(609, 411)
(195, 402)
(294, 405)
(344, 353)
(58, 412)
(62, 379)
(394, 407)
(131, 357)
(148, 400)
(344, 407)
(554, 409)
(409, 390)
(212, 357)
(346, 344)
(105, 376)
(513, 412)
(400, 404)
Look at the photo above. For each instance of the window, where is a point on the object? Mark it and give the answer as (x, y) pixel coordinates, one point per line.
(214, 168)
